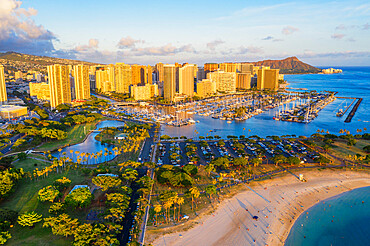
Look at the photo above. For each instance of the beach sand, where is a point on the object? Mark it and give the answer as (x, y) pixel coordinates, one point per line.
(277, 203)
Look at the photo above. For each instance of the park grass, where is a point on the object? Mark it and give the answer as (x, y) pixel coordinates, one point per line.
(341, 149)
(204, 203)
(24, 199)
(75, 135)
(30, 164)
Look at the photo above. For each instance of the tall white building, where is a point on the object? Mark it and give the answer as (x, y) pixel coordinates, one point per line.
(3, 95)
(81, 82)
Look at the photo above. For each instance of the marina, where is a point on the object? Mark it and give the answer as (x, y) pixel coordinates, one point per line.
(306, 109)
(230, 108)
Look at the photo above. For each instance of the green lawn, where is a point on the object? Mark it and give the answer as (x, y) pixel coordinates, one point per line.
(25, 199)
(341, 149)
(30, 164)
(75, 135)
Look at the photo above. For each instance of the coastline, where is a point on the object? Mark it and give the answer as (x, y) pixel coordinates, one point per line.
(277, 202)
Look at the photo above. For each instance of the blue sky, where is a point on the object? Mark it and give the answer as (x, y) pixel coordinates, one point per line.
(145, 32)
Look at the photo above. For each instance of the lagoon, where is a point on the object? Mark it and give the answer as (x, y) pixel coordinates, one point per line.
(91, 145)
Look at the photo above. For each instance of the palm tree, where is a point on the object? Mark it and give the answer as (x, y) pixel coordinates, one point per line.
(157, 209)
(167, 204)
(179, 201)
(194, 194)
(174, 201)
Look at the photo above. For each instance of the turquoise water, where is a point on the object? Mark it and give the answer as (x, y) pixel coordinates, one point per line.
(90, 145)
(353, 82)
(341, 220)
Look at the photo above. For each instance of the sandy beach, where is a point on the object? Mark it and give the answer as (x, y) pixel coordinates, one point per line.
(277, 203)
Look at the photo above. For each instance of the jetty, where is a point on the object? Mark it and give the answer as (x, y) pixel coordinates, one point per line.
(340, 112)
(353, 111)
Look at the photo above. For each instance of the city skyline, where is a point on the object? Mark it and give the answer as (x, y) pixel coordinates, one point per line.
(320, 33)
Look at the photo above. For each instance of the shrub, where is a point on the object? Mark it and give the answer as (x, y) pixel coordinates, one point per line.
(62, 183)
(56, 208)
(80, 197)
(48, 193)
(29, 219)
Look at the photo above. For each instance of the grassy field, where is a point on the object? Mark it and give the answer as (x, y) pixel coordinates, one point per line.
(25, 199)
(204, 203)
(30, 164)
(341, 149)
(75, 135)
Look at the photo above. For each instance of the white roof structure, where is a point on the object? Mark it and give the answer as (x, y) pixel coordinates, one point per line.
(79, 186)
(107, 174)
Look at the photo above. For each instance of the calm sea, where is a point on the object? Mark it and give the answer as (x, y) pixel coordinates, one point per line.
(353, 82)
(341, 220)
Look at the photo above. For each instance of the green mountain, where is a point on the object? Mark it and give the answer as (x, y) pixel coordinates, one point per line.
(14, 61)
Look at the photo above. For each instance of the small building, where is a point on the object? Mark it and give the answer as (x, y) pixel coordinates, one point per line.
(11, 111)
(108, 174)
(78, 187)
(120, 136)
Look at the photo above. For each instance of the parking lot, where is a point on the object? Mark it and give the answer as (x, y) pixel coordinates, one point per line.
(180, 153)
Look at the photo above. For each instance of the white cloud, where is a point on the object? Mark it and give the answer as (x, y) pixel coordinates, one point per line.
(165, 50)
(15, 21)
(341, 27)
(268, 38)
(212, 45)
(289, 30)
(338, 36)
(93, 44)
(343, 54)
(128, 42)
(19, 32)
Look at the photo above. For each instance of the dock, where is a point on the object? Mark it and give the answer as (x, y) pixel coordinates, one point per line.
(353, 111)
(341, 113)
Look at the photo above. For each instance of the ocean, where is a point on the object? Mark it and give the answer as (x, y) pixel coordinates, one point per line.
(340, 220)
(353, 82)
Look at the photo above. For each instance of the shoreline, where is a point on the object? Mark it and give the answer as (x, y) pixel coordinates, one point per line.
(277, 202)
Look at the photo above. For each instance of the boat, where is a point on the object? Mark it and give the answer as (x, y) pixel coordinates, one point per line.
(229, 121)
(340, 113)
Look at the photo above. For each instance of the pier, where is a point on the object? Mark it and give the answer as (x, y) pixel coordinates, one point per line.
(353, 111)
(307, 111)
(341, 112)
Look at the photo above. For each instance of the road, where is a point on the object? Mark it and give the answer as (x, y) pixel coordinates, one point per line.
(12, 141)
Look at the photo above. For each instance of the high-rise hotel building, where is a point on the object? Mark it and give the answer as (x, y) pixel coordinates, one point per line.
(210, 67)
(186, 80)
(225, 81)
(60, 88)
(3, 95)
(82, 82)
(123, 78)
(171, 76)
(141, 75)
(268, 79)
(159, 69)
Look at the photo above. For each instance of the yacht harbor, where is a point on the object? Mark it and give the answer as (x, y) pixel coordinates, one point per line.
(291, 106)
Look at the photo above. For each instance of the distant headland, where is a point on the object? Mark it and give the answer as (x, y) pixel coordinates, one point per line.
(290, 65)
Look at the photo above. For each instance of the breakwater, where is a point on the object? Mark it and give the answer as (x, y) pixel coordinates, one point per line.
(353, 111)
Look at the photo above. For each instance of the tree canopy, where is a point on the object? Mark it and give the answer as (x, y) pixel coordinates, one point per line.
(80, 197)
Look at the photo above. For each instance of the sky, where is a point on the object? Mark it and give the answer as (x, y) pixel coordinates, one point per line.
(321, 33)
